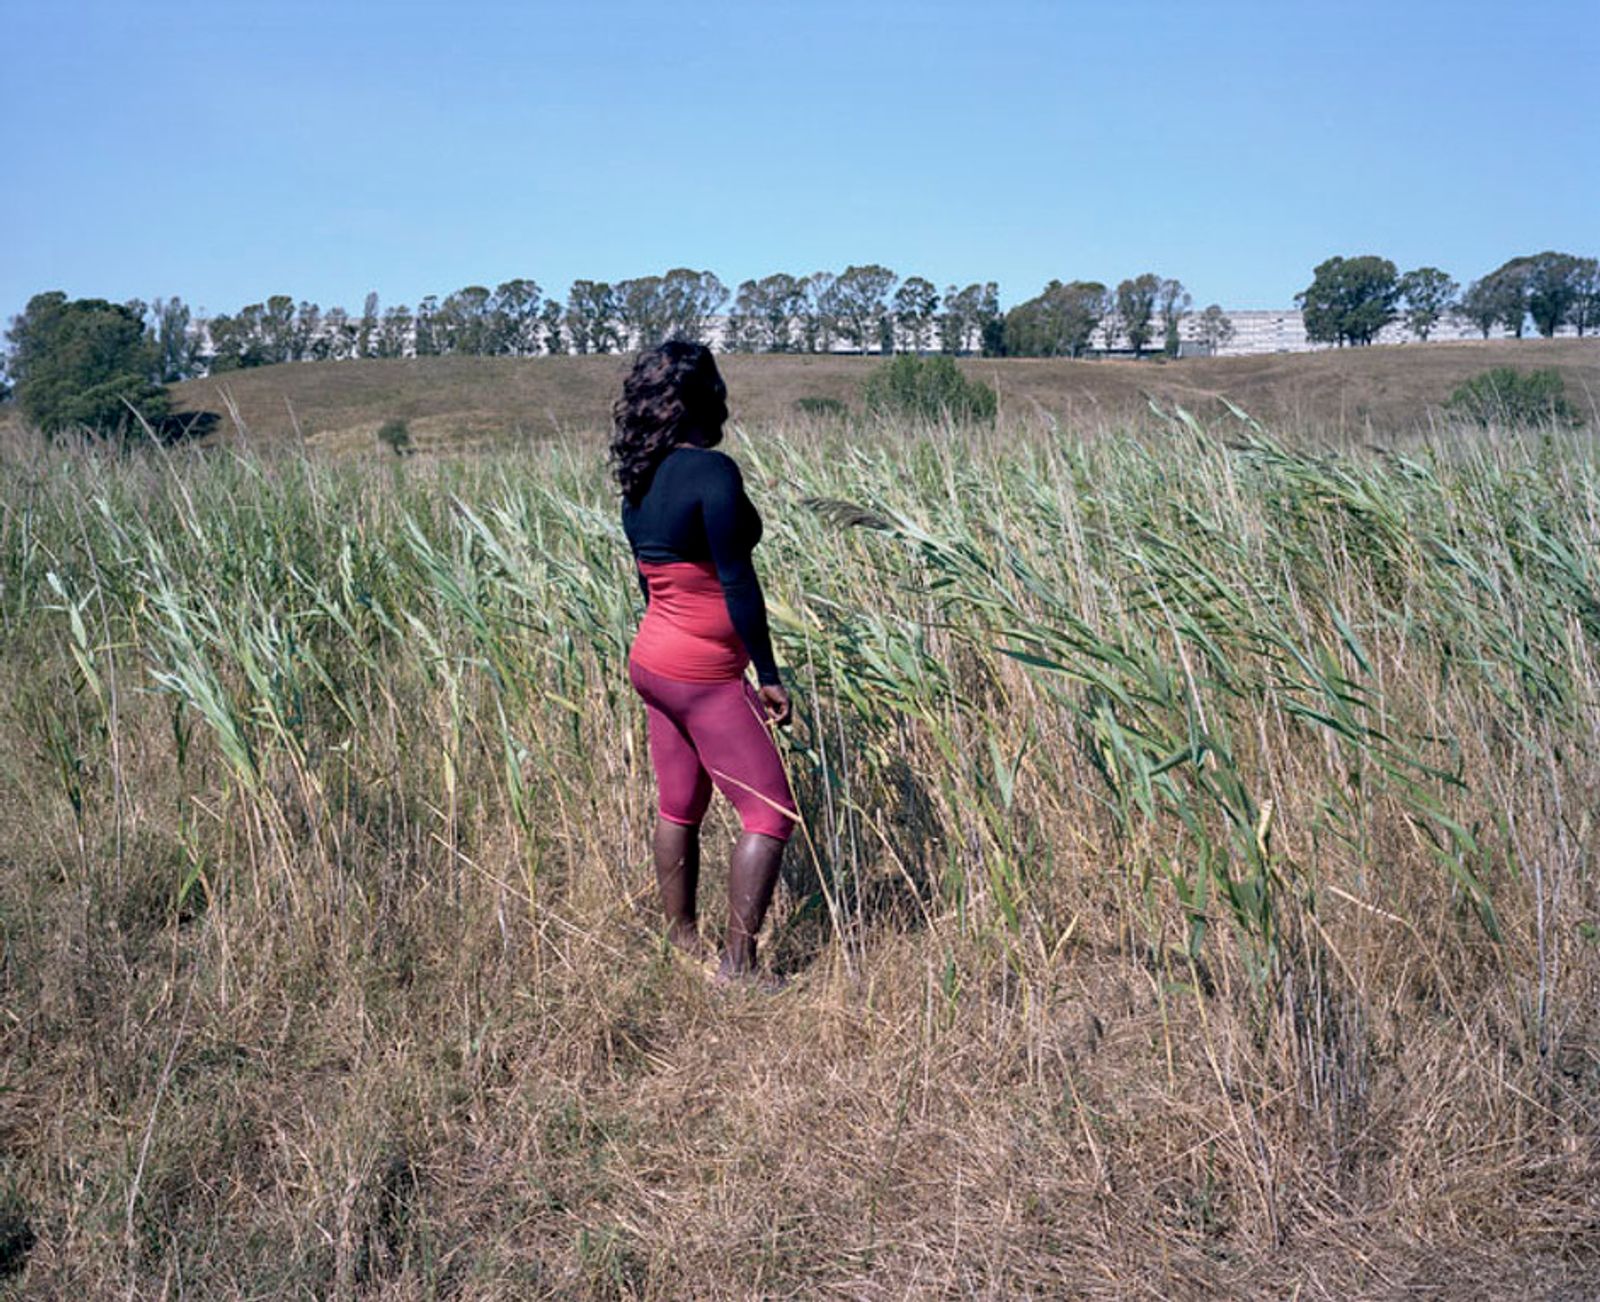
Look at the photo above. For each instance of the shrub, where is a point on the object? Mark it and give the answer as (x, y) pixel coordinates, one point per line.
(1505, 396)
(830, 407)
(396, 436)
(928, 388)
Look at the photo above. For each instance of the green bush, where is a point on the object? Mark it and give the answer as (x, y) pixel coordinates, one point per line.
(396, 436)
(1504, 396)
(927, 388)
(830, 407)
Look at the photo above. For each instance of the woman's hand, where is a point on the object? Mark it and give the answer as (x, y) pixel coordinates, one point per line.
(775, 700)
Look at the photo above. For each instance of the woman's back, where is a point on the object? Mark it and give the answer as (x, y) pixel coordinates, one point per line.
(692, 534)
(695, 509)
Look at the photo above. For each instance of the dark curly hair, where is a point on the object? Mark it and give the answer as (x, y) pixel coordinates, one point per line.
(673, 394)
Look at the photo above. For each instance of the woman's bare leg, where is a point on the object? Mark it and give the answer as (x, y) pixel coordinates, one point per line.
(676, 849)
(752, 875)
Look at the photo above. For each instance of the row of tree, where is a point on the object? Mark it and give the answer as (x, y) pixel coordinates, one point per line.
(1067, 320)
(865, 307)
(1351, 300)
(86, 361)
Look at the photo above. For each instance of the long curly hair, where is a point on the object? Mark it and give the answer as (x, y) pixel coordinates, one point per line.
(673, 394)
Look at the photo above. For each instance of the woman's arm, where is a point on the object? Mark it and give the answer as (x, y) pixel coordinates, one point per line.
(721, 496)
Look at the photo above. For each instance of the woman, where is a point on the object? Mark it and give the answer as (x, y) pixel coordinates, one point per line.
(692, 530)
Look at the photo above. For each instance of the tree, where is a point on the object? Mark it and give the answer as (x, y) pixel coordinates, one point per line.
(1349, 300)
(277, 329)
(221, 344)
(765, 313)
(739, 330)
(818, 316)
(177, 345)
(1585, 311)
(1552, 289)
(463, 323)
(1172, 302)
(1428, 294)
(1216, 328)
(307, 330)
(991, 324)
(1058, 323)
(858, 302)
(251, 324)
(692, 298)
(642, 311)
(366, 332)
(1110, 322)
(236, 341)
(1136, 304)
(1504, 293)
(425, 339)
(591, 319)
(394, 334)
(515, 312)
(956, 321)
(783, 301)
(915, 303)
(84, 364)
(338, 338)
(966, 313)
(550, 328)
(1478, 305)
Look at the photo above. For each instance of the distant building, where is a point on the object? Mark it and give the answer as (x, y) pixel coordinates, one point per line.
(1284, 331)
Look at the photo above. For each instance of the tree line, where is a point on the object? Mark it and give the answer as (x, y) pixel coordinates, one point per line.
(1351, 300)
(89, 362)
(866, 308)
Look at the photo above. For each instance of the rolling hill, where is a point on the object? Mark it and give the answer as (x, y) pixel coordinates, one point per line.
(468, 401)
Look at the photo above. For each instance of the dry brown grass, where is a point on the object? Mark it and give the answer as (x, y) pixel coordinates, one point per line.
(401, 1041)
(1351, 393)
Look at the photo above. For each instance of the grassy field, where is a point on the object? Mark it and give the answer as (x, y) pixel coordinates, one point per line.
(1196, 895)
(451, 402)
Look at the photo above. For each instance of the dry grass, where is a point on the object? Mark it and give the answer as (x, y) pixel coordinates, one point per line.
(328, 958)
(1355, 393)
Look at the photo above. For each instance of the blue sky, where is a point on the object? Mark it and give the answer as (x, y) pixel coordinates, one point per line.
(227, 151)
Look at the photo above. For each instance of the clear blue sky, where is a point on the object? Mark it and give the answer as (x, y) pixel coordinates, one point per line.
(230, 150)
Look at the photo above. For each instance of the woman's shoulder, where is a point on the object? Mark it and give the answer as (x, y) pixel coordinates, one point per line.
(703, 463)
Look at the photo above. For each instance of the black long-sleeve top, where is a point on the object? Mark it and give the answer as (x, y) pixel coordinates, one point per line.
(696, 510)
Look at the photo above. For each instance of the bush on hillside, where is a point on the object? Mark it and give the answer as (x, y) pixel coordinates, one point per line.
(396, 436)
(1506, 396)
(928, 389)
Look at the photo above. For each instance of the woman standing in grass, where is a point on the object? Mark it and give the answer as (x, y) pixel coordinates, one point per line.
(692, 530)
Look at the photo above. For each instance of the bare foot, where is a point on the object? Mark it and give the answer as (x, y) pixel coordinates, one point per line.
(730, 977)
(689, 942)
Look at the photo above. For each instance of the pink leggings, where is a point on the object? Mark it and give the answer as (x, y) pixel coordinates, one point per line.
(702, 733)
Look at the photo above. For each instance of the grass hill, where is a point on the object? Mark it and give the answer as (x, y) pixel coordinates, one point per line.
(456, 401)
